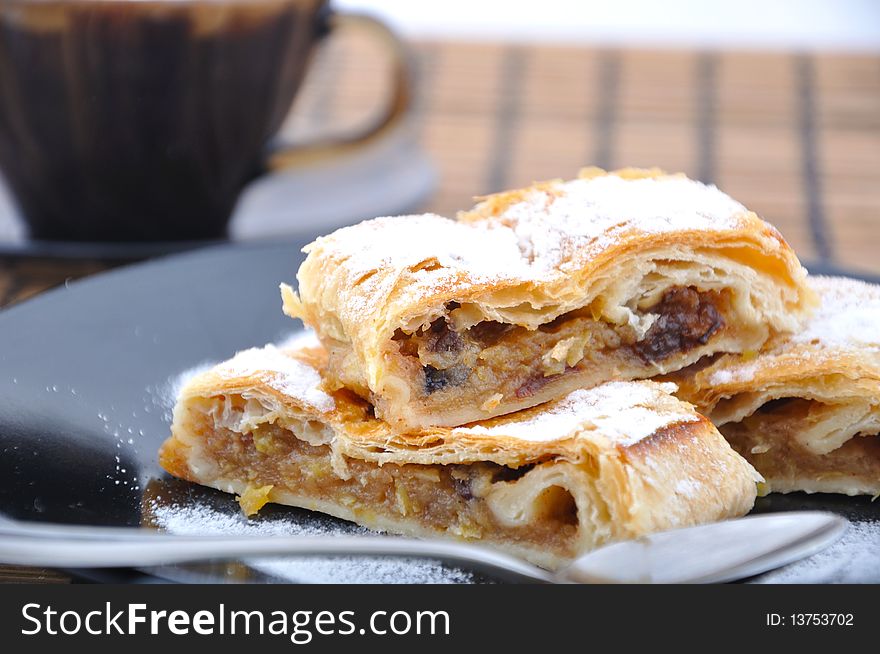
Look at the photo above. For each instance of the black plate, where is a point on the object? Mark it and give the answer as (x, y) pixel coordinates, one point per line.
(86, 375)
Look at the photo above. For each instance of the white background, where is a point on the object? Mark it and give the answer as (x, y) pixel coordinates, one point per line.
(813, 24)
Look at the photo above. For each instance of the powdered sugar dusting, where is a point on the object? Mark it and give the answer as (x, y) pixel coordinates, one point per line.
(595, 213)
(281, 372)
(740, 373)
(538, 239)
(848, 317)
(854, 559)
(201, 519)
(849, 314)
(624, 412)
(407, 241)
(688, 487)
(431, 251)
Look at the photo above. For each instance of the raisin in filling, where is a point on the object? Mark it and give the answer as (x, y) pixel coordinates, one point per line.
(437, 379)
(686, 318)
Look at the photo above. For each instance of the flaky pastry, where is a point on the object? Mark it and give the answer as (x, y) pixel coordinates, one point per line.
(614, 462)
(806, 410)
(538, 292)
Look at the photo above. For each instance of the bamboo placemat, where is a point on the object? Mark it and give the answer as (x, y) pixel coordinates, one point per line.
(794, 136)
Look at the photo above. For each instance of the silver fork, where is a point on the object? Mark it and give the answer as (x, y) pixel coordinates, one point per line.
(722, 551)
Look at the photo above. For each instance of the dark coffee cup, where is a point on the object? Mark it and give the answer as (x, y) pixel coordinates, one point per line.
(142, 120)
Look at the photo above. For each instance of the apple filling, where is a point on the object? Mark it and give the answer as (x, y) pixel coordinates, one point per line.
(771, 439)
(516, 362)
(481, 500)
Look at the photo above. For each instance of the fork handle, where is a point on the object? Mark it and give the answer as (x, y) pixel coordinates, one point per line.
(112, 547)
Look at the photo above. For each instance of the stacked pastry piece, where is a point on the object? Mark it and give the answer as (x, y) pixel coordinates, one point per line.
(481, 378)
(805, 410)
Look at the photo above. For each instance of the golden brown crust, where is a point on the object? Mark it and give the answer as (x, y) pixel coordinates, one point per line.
(632, 457)
(831, 371)
(526, 258)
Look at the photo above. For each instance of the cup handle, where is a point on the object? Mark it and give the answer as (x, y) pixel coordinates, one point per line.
(282, 156)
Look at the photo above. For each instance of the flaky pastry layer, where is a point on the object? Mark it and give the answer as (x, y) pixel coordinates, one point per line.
(547, 484)
(537, 292)
(805, 410)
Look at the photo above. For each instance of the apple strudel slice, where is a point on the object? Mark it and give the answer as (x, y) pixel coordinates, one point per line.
(538, 292)
(615, 462)
(806, 410)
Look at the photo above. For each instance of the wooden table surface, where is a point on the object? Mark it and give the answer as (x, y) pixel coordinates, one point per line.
(794, 136)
